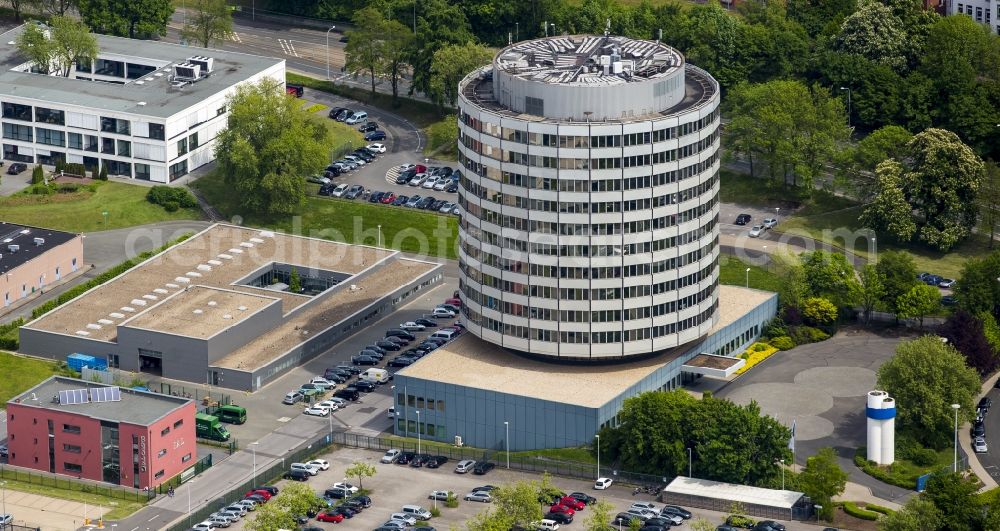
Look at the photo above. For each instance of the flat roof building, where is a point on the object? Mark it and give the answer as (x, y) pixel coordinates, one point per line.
(33, 258)
(146, 109)
(218, 308)
(104, 433)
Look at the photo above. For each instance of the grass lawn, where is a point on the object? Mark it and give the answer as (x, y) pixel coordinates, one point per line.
(903, 472)
(22, 373)
(415, 231)
(733, 271)
(345, 137)
(120, 508)
(81, 211)
(573, 455)
(316, 107)
(742, 189)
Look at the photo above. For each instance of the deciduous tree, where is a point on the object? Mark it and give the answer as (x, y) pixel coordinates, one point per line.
(924, 376)
(68, 42)
(889, 212)
(438, 25)
(819, 311)
(919, 514)
(977, 289)
(360, 470)
(822, 480)
(450, 65)
(489, 520)
(398, 41)
(365, 50)
(887, 142)
(601, 514)
(268, 145)
(875, 33)
(869, 290)
(955, 496)
(965, 332)
(296, 499)
(269, 517)
(518, 501)
(899, 274)
(989, 200)
(135, 19)
(208, 21)
(919, 302)
(829, 275)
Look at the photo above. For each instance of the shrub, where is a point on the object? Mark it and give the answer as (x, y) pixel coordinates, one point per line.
(802, 335)
(792, 315)
(923, 456)
(37, 175)
(103, 176)
(74, 169)
(162, 195)
(775, 328)
(754, 356)
(759, 347)
(60, 165)
(171, 206)
(9, 335)
(878, 508)
(451, 502)
(68, 188)
(782, 343)
(857, 512)
(42, 189)
(820, 311)
(435, 512)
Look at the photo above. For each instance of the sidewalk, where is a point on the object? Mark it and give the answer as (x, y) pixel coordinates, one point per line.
(965, 440)
(856, 492)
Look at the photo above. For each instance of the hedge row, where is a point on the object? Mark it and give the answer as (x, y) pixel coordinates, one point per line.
(8, 334)
(852, 509)
(879, 509)
(879, 473)
(76, 291)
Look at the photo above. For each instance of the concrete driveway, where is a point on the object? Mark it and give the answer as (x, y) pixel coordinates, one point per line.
(822, 388)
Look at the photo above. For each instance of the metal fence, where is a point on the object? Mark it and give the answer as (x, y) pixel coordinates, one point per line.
(18, 527)
(55, 481)
(202, 465)
(538, 464)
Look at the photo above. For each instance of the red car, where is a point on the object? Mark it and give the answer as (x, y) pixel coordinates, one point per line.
(454, 302)
(330, 517)
(572, 503)
(260, 492)
(388, 198)
(559, 508)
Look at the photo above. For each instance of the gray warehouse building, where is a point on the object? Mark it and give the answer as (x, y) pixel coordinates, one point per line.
(217, 308)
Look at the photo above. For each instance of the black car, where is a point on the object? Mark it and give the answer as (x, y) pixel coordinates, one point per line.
(327, 189)
(401, 200)
(419, 460)
(297, 475)
(673, 510)
(743, 219)
(402, 361)
(374, 136)
(979, 429)
(646, 526)
(16, 168)
(452, 188)
(401, 341)
(336, 377)
(368, 127)
(658, 521)
(335, 111)
(310, 528)
(349, 369)
(365, 385)
(364, 360)
(950, 300)
(768, 525)
(347, 394)
(270, 489)
(375, 197)
(344, 510)
(387, 345)
(335, 494)
(985, 402)
(343, 115)
(404, 458)
(405, 176)
(364, 501)
(444, 171)
(436, 461)
(436, 205)
(400, 333)
(585, 498)
(364, 154)
(561, 518)
(377, 348)
(623, 519)
(335, 167)
(425, 203)
(426, 322)
(354, 191)
(483, 467)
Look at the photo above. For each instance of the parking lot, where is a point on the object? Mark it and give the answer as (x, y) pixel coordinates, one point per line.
(396, 485)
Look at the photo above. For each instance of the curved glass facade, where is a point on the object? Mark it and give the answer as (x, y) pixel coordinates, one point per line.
(589, 240)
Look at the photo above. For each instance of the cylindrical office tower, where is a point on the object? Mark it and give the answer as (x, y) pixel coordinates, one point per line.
(589, 197)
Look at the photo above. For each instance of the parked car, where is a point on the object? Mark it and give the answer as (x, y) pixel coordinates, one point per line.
(418, 179)
(979, 445)
(388, 198)
(401, 200)
(585, 498)
(482, 467)
(347, 394)
(559, 517)
(770, 223)
(675, 510)
(603, 483)
(16, 168)
(436, 461)
(330, 516)
(375, 136)
(464, 466)
(204, 526)
(424, 203)
(350, 488)
(343, 115)
(442, 313)
(376, 147)
(356, 118)
(364, 360)
(756, 231)
(310, 389)
(297, 475)
(354, 191)
(335, 111)
(407, 519)
(317, 179)
(396, 332)
(768, 525)
(293, 397)
(743, 219)
(390, 456)
(411, 326)
(430, 181)
(946, 283)
(404, 458)
(985, 402)
(363, 385)
(572, 503)
(446, 207)
(479, 496)
(317, 411)
(623, 519)
(413, 201)
(340, 190)
(368, 127)
(740, 521)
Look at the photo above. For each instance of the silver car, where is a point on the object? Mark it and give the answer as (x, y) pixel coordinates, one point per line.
(479, 496)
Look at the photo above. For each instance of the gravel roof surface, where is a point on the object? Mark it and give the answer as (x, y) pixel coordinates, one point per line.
(200, 311)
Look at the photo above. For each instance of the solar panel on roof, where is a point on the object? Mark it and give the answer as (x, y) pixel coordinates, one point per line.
(73, 396)
(105, 394)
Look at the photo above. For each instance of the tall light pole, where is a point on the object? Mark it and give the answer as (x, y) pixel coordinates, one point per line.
(418, 431)
(848, 89)
(545, 26)
(3, 486)
(553, 29)
(506, 441)
(328, 51)
(598, 455)
(253, 448)
(380, 236)
(689, 462)
(954, 466)
(875, 248)
(517, 31)
(782, 474)
(748, 277)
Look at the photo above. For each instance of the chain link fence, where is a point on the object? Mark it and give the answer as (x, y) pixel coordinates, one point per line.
(54, 481)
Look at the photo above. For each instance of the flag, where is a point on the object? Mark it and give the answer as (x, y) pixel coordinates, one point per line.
(791, 442)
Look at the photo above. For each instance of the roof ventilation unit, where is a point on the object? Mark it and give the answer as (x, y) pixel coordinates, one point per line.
(186, 72)
(39, 241)
(205, 63)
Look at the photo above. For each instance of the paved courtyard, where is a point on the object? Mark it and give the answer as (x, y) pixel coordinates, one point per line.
(822, 388)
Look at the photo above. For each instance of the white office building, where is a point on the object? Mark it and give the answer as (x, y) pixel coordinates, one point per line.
(982, 11)
(589, 193)
(147, 110)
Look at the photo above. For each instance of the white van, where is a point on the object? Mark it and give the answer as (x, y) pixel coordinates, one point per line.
(417, 512)
(357, 118)
(446, 335)
(379, 376)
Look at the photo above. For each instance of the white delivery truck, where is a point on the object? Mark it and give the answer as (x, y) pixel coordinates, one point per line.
(378, 376)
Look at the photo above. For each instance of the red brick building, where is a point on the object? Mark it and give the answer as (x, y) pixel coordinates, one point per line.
(87, 430)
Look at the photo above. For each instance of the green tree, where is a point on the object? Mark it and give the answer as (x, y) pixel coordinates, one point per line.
(899, 274)
(601, 514)
(71, 43)
(104, 172)
(297, 499)
(717, 43)
(819, 311)
(870, 290)
(822, 480)
(941, 183)
(269, 517)
(887, 142)
(889, 212)
(967, 334)
(54, 7)
(208, 21)
(365, 50)
(398, 42)
(438, 25)
(989, 200)
(919, 514)
(33, 43)
(920, 301)
(135, 19)
(518, 501)
(360, 470)
(489, 520)
(977, 289)
(924, 376)
(268, 145)
(37, 175)
(875, 33)
(955, 497)
(294, 281)
(451, 64)
(829, 275)
(702, 524)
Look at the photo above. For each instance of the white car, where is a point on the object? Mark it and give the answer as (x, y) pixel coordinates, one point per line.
(603, 483)
(418, 179)
(204, 526)
(411, 326)
(330, 405)
(312, 469)
(979, 445)
(323, 464)
(403, 517)
(391, 456)
(442, 184)
(756, 231)
(346, 486)
(431, 181)
(340, 190)
(769, 223)
(648, 506)
(442, 312)
(220, 521)
(479, 496)
(398, 524)
(316, 411)
(404, 167)
(380, 148)
(319, 381)
(250, 505)
(355, 159)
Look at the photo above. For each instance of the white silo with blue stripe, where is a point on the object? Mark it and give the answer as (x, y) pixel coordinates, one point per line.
(881, 414)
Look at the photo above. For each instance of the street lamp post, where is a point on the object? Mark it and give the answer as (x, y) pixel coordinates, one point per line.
(253, 448)
(782, 474)
(848, 89)
(328, 51)
(380, 236)
(689, 463)
(875, 248)
(517, 31)
(545, 27)
(418, 431)
(3, 487)
(506, 441)
(954, 465)
(598, 455)
(553, 29)
(748, 277)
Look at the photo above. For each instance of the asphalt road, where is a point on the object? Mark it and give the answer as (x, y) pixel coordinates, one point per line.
(991, 459)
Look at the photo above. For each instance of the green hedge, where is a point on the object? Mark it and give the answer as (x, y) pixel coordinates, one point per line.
(76, 291)
(171, 198)
(782, 343)
(879, 509)
(879, 473)
(9, 335)
(857, 512)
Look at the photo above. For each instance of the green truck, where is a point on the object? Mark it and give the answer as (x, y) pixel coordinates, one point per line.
(231, 414)
(209, 427)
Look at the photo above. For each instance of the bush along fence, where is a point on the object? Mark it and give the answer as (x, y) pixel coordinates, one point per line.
(76, 291)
